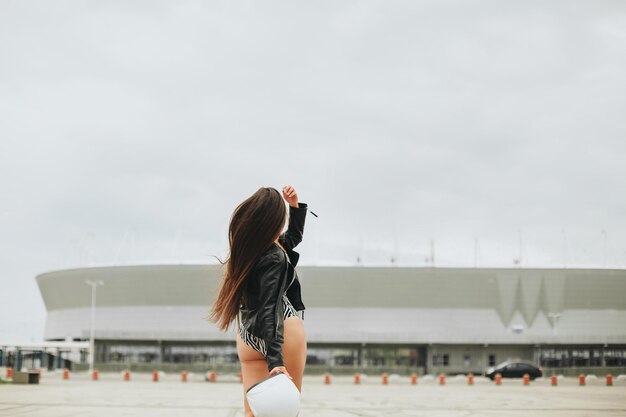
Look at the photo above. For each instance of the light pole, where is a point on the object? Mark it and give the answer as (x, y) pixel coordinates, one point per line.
(603, 233)
(92, 353)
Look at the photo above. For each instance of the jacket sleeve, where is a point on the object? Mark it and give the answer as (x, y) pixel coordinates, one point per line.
(293, 236)
(269, 272)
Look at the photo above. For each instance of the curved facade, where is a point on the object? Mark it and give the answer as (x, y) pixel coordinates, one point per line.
(429, 311)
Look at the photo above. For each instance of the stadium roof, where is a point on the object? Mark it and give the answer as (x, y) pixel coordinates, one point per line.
(354, 304)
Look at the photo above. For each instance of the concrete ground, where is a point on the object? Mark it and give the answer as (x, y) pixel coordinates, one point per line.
(111, 396)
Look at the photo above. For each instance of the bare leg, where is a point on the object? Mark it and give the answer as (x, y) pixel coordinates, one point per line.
(294, 349)
(253, 369)
(254, 365)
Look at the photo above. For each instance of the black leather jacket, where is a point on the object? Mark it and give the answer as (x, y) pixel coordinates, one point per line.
(261, 311)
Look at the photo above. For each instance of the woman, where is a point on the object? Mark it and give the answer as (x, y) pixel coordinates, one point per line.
(261, 288)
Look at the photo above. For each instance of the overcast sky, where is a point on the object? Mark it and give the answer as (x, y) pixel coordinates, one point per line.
(130, 130)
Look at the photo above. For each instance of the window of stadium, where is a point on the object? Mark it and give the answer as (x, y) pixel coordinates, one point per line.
(441, 360)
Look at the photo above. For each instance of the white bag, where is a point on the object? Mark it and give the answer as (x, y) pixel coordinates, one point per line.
(274, 396)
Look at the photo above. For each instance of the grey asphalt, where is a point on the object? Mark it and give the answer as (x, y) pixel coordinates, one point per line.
(139, 397)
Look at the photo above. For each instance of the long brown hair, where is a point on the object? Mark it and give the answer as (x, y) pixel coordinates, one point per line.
(254, 225)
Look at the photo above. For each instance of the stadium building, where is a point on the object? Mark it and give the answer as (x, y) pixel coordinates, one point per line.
(418, 319)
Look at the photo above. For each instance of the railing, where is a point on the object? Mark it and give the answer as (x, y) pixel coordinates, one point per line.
(236, 367)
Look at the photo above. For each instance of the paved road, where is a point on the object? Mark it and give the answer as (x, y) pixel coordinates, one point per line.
(110, 396)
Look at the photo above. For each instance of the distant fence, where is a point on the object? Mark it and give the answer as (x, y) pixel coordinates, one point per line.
(585, 370)
(235, 368)
(311, 369)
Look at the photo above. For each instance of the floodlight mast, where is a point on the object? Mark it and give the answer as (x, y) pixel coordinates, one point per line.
(92, 331)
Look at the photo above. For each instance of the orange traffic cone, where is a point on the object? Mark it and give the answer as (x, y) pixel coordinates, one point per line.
(327, 378)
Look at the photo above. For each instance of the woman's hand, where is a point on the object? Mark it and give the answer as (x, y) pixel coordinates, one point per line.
(280, 369)
(290, 194)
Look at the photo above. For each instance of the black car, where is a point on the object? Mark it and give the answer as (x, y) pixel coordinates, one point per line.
(514, 369)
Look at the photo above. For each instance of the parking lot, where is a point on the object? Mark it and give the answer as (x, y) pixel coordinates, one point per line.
(112, 396)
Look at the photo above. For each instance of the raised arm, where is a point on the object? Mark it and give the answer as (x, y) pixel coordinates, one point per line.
(297, 214)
